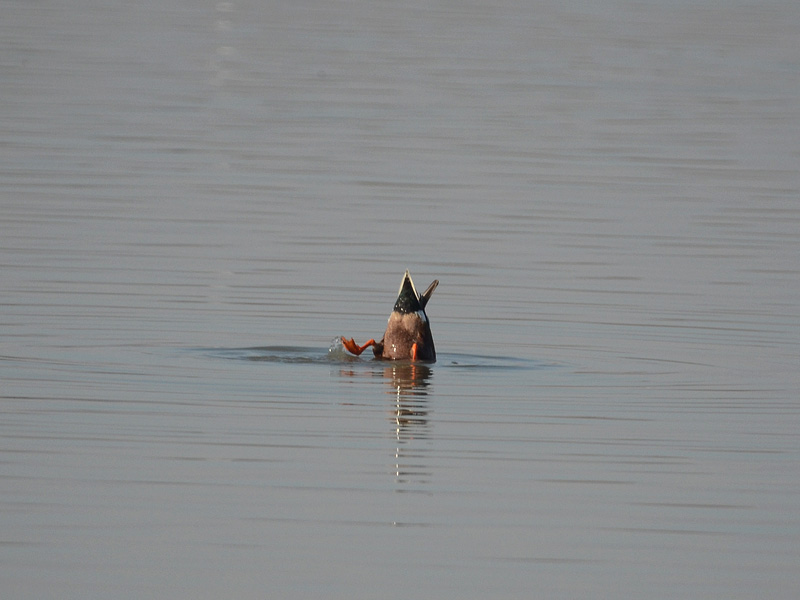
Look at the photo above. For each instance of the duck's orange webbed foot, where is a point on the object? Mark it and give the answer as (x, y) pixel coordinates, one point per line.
(354, 348)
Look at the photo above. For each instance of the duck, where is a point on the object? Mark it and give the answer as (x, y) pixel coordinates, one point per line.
(408, 332)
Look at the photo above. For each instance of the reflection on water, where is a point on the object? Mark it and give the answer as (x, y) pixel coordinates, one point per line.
(409, 388)
(410, 385)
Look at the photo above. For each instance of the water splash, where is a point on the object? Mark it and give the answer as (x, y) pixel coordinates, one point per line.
(336, 350)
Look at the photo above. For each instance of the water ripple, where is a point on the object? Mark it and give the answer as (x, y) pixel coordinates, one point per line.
(282, 354)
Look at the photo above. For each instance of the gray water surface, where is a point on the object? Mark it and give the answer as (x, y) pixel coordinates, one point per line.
(197, 199)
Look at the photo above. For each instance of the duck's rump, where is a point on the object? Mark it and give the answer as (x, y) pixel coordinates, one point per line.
(402, 332)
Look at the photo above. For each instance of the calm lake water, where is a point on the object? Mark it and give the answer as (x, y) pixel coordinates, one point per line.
(197, 198)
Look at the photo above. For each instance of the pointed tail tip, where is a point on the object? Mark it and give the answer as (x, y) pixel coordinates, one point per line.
(407, 277)
(407, 296)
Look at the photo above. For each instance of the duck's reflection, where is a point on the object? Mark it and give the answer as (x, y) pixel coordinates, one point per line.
(410, 383)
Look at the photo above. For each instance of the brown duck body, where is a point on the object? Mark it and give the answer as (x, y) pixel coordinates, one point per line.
(402, 332)
(408, 332)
